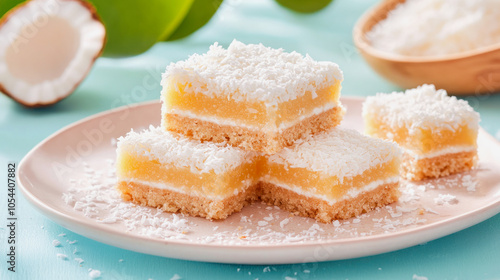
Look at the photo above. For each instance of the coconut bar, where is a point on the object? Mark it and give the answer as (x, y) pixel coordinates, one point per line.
(437, 132)
(333, 175)
(176, 174)
(251, 96)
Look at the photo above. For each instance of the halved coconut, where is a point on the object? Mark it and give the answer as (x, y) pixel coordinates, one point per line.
(47, 49)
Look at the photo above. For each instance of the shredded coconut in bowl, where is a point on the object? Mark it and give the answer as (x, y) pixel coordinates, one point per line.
(438, 27)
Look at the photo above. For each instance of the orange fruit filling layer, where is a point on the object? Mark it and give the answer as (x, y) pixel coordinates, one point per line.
(330, 186)
(142, 168)
(249, 113)
(425, 140)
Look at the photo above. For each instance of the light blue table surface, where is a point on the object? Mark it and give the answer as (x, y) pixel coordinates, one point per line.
(473, 253)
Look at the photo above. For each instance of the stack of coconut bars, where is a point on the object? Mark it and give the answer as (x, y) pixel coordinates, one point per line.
(252, 123)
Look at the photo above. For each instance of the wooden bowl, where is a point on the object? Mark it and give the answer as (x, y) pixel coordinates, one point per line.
(471, 72)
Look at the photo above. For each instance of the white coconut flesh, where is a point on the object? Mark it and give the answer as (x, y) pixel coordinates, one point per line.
(49, 47)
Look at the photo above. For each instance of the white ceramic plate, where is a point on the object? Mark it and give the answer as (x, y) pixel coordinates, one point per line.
(74, 167)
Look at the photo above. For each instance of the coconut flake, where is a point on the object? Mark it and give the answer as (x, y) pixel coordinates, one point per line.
(176, 277)
(94, 273)
(262, 223)
(445, 199)
(416, 277)
(284, 222)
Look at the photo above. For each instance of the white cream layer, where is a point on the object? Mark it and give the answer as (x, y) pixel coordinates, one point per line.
(350, 194)
(442, 152)
(280, 128)
(247, 183)
(186, 190)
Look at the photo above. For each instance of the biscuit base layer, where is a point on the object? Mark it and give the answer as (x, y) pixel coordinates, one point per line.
(322, 211)
(176, 202)
(250, 139)
(435, 167)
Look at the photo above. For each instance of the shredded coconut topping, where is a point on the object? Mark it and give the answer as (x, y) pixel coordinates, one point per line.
(422, 107)
(340, 152)
(167, 148)
(251, 73)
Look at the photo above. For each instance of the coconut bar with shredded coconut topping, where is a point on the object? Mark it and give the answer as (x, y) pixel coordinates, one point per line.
(437, 132)
(332, 175)
(176, 174)
(337, 174)
(251, 96)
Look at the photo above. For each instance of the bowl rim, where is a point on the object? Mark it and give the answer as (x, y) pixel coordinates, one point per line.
(363, 45)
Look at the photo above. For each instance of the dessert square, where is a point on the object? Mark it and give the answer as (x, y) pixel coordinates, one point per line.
(176, 174)
(437, 132)
(333, 175)
(251, 96)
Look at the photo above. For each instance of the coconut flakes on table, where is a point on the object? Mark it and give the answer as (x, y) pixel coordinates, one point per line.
(176, 277)
(417, 277)
(62, 256)
(94, 273)
(56, 243)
